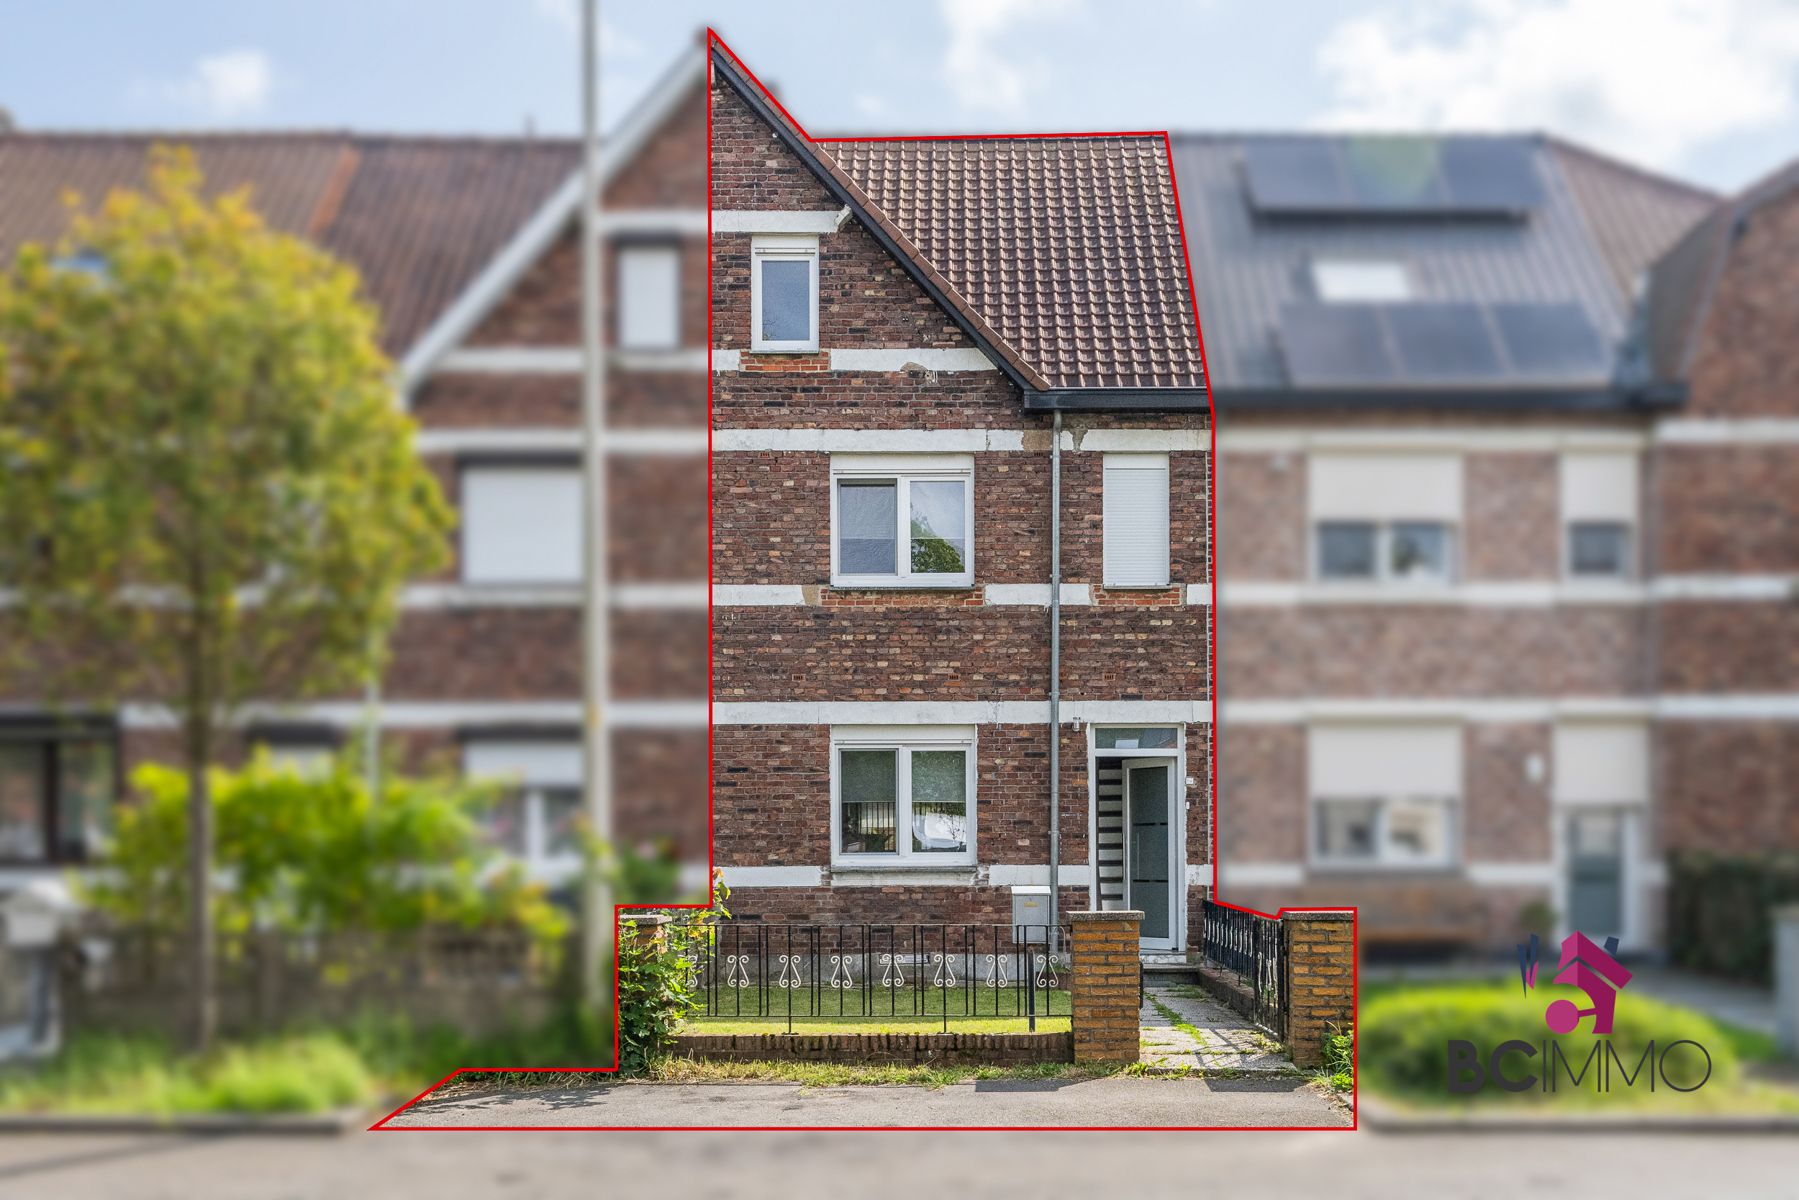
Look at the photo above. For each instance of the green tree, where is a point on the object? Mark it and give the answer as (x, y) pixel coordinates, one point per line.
(209, 494)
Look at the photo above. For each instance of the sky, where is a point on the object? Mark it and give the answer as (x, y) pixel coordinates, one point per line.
(1707, 90)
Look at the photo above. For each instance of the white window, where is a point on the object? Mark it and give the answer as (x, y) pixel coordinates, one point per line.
(902, 520)
(1135, 505)
(1384, 796)
(1599, 510)
(784, 293)
(521, 524)
(903, 796)
(649, 296)
(1385, 518)
(1343, 280)
(537, 818)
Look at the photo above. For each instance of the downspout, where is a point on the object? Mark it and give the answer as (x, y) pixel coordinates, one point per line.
(1055, 682)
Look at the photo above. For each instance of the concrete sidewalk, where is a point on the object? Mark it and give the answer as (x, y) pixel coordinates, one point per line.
(1116, 1100)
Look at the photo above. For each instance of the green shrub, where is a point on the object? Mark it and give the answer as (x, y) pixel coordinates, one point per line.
(1720, 911)
(1339, 1059)
(1405, 1034)
(658, 981)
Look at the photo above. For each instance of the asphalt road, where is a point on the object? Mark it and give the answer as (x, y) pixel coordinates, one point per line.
(513, 1166)
(1113, 1100)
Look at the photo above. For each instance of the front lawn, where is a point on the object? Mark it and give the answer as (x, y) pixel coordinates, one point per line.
(1405, 1030)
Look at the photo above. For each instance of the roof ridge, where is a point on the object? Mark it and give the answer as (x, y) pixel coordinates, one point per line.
(1698, 191)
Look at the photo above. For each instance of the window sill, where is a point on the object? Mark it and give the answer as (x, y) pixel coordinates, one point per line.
(777, 351)
(852, 584)
(901, 874)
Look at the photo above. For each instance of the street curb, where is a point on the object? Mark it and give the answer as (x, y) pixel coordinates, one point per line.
(1379, 1115)
(327, 1124)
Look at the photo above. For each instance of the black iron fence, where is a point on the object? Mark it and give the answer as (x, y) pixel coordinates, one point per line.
(1251, 947)
(941, 974)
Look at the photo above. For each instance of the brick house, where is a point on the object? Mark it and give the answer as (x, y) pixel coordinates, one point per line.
(900, 328)
(1552, 641)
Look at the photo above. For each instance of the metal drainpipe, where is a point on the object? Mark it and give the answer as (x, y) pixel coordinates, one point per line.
(1055, 683)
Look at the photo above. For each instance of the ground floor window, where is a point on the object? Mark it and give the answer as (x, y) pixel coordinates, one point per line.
(537, 817)
(903, 796)
(57, 788)
(1384, 831)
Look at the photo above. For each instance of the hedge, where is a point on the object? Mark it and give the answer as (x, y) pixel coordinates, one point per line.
(1720, 911)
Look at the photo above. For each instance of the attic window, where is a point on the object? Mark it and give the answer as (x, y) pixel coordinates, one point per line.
(1341, 280)
(784, 293)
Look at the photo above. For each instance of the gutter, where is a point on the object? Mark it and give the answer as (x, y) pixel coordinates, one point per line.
(1055, 682)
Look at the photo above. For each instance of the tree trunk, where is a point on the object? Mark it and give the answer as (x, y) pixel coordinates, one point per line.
(203, 1015)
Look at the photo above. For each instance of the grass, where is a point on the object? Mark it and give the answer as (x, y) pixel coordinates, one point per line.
(302, 1072)
(741, 1018)
(308, 1073)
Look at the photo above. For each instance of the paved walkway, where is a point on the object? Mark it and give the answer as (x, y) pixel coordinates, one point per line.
(1258, 1101)
(1224, 1040)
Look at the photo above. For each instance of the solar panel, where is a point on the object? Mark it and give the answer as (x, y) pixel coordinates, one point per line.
(1295, 173)
(1392, 176)
(1422, 345)
(1394, 173)
(1337, 344)
(1491, 174)
(1443, 343)
(1551, 341)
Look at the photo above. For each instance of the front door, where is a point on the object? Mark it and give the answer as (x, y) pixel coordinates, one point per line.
(1151, 864)
(1596, 873)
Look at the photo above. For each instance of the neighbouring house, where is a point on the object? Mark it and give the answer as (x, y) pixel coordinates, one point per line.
(469, 248)
(1506, 436)
(900, 328)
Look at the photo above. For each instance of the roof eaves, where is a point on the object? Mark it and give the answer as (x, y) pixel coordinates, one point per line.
(884, 231)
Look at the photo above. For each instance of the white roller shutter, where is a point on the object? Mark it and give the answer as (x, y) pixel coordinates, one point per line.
(1136, 520)
(1599, 487)
(1601, 763)
(521, 525)
(1354, 761)
(534, 764)
(649, 297)
(1385, 487)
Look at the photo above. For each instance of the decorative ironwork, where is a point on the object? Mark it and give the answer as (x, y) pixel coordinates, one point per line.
(935, 973)
(1251, 947)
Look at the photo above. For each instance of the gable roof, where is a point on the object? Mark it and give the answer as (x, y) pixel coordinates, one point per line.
(1060, 256)
(419, 217)
(1581, 244)
(1681, 283)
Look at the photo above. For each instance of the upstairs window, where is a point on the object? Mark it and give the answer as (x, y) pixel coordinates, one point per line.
(784, 293)
(1384, 518)
(1360, 281)
(521, 524)
(902, 521)
(537, 819)
(1135, 517)
(649, 296)
(1599, 511)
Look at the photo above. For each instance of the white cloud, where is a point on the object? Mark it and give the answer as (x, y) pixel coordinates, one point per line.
(870, 105)
(983, 77)
(223, 86)
(1650, 80)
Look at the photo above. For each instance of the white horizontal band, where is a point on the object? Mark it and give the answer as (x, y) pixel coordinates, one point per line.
(956, 712)
(1426, 710)
(1725, 587)
(1702, 431)
(757, 595)
(1132, 441)
(1499, 439)
(1260, 874)
(903, 359)
(737, 220)
(772, 877)
(1022, 875)
(1033, 595)
(628, 441)
(1036, 594)
(566, 360)
(1293, 874)
(691, 221)
(659, 596)
(670, 714)
(1523, 594)
(868, 441)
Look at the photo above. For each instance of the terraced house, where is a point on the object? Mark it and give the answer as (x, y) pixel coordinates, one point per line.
(961, 562)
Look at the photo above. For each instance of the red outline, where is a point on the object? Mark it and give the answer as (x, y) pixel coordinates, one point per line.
(382, 1126)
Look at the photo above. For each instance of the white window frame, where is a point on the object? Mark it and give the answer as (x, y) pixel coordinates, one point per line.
(1146, 463)
(539, 864)
(520, 467)
(779, 247)
(905, 470)
(1361, 280)
(631, 319)
(1626, 573)
(1383, 553)
(904, 739)
(1383, 859)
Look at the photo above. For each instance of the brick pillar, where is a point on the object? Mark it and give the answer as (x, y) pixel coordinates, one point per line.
(1104, 986)
(1320, 974)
